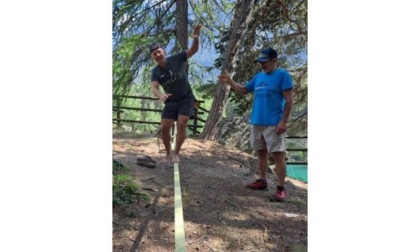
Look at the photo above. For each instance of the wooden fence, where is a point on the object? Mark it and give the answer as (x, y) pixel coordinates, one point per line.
(119, 110)
(297, 149)
(192, 124)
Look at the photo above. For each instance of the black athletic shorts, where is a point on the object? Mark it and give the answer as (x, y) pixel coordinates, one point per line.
(184, 106)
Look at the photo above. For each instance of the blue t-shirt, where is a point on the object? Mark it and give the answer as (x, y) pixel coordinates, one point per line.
(268, 106)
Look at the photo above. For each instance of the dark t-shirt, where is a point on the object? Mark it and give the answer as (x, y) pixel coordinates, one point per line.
(173, 78)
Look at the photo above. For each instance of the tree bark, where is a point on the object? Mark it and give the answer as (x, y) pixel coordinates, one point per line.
(181, 33)
(238, 27)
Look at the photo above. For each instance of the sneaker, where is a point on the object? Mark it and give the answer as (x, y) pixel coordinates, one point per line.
(280, 194)
(146, 158)
(259, 184)
(146, 163)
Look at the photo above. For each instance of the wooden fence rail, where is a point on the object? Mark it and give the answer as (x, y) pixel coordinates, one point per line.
(119, 109)
(193, 126)
(297, 149)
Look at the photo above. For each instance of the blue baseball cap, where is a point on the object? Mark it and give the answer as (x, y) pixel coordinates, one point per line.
(266, 54)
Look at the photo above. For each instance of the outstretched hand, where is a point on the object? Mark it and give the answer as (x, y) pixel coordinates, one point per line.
(196, 32)
(224, 77)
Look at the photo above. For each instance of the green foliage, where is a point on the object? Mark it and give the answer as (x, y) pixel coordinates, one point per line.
(281, 25)
(205, 91)
(116, 133)
(201, 94)
(139, 90)
(127, 61)
(144, 90)
(125, 191)
(299, 248)
(209, 14)
(297, 200)
(118, 168)
(136, 24)
(298, 155)
(278, 24)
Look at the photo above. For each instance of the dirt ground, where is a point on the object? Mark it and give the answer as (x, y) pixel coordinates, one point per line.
(220, 214)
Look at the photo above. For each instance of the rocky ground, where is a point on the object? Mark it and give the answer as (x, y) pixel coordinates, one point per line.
(220, 214)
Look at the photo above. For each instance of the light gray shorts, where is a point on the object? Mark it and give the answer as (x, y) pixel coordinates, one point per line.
(264, 137)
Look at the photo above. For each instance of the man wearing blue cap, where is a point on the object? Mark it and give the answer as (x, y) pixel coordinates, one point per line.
(170, 73)
(273, 99)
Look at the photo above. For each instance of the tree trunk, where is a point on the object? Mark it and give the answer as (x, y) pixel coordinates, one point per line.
(182, 28)
(238, 27)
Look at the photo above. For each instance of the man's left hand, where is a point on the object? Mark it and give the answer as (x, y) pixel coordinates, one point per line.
(196, 31)
(280, 129)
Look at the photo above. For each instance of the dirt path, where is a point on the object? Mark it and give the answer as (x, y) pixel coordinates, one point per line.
(220, 214)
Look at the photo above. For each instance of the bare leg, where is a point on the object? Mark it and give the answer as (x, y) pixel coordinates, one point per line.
(181, 135)
(279, 158)
(262, 163)
(166, 125)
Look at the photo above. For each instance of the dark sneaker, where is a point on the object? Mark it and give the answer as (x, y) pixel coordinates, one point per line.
(281, 194)
(146, 163)
(146, 158)
(259, 184)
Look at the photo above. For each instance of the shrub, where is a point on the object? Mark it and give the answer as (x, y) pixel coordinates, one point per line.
(118, 168)
(125, 191)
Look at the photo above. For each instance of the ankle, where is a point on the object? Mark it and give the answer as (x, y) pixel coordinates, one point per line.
(281, 188)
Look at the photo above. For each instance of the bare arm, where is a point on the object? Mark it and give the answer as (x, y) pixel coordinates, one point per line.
(288, 96)
(194, 47)
(155, 90)
(225, 78)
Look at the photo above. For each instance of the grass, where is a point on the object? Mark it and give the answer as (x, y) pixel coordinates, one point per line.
(299, 248)
(119, 168)
(125, 190)
(297, 201)
(125, 134)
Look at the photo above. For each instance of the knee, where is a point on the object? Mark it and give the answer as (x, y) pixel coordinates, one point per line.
(182, 123)
(165, 128)
(278, 156)
(263, 154)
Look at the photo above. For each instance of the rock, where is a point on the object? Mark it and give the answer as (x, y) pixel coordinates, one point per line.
(234, 132)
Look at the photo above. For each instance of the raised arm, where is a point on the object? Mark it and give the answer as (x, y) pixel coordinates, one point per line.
(225, 78)
(194, 47)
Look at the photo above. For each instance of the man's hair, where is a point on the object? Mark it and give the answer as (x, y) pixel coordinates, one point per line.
(154, 46)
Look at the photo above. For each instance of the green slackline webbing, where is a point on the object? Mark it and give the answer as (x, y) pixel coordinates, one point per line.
(179, 214)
